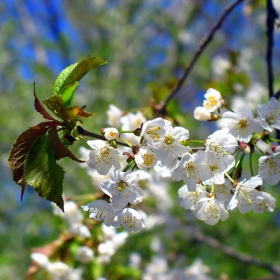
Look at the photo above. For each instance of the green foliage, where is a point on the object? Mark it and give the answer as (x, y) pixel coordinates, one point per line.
(42, 172)
(73, 73)
(67, 94)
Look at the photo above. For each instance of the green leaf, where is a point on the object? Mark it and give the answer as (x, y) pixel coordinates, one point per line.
(67, 94)
(42, 172)
(75, 72)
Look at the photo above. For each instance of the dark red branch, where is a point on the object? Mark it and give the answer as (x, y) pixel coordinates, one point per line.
(270, 19)
(160, 109)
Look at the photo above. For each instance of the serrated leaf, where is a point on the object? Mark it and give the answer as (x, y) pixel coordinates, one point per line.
(42, 172)
(75, 72)
(67, 94)
(19, 151)
(60, 151)
(40, 108)
(55, 104)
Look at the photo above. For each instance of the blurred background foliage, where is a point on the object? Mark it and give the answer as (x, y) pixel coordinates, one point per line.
(148, 44)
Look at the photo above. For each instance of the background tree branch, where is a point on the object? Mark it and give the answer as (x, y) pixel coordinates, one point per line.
(160, 109)
(233, 253)
(270, 20)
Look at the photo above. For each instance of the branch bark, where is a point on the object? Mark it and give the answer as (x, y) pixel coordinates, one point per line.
(237, 255)
(160, 109)
(271, 16)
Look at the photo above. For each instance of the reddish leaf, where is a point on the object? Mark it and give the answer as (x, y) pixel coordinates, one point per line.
(40, 108)
(19, 151)
(60, 151)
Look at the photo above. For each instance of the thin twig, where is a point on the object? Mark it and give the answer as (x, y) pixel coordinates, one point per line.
(97, 136)
(237, 255)
(202, 45)
(270, 19)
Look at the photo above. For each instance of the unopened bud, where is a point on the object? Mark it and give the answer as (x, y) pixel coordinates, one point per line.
(245, 148)
(202, 114)
(276, 148)
(110, 133)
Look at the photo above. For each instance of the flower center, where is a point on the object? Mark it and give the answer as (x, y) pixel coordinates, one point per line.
(191, 167)
(213, 167)
(272, 165)
(148, 159)
(121, 185)
(153, 132)
(271, 118)
(128, 220)
(211, 102)
(242, 124)
(103, 155)
(168, 139)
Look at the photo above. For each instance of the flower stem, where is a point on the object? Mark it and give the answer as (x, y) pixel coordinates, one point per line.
(128, 166)
(229, 177)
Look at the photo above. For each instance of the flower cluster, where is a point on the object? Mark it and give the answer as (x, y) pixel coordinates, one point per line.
(211, 173)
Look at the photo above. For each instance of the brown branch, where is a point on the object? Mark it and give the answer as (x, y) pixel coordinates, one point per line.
(160, 109)
(100, 137)
(271, 16)
(237, 255)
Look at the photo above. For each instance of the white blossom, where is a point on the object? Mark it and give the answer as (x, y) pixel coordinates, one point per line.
(188, 200)
(169, 147)
(191, 169)
(241, 124)
(267, 204)
(122, 187)
(114, 115)
(78, 229)
(145, 158)
(57, 270)
(213, 100)
(154, 130)
(128, 219)
(270, 114)
(102, 157)
(100, 210)
(245, 195)
(85, 254)
(269, 168)
(210, 210)
(132, 121)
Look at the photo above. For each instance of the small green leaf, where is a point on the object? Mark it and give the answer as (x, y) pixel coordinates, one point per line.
(75, 72)
(67, 94)
(42, 172)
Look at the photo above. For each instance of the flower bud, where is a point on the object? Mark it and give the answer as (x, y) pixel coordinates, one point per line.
(202, 114)
(276, 148)
(110, 133)
(245, 148)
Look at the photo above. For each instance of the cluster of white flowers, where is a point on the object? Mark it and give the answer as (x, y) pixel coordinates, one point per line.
(74, 217)
(57, 270)
(211, 173)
